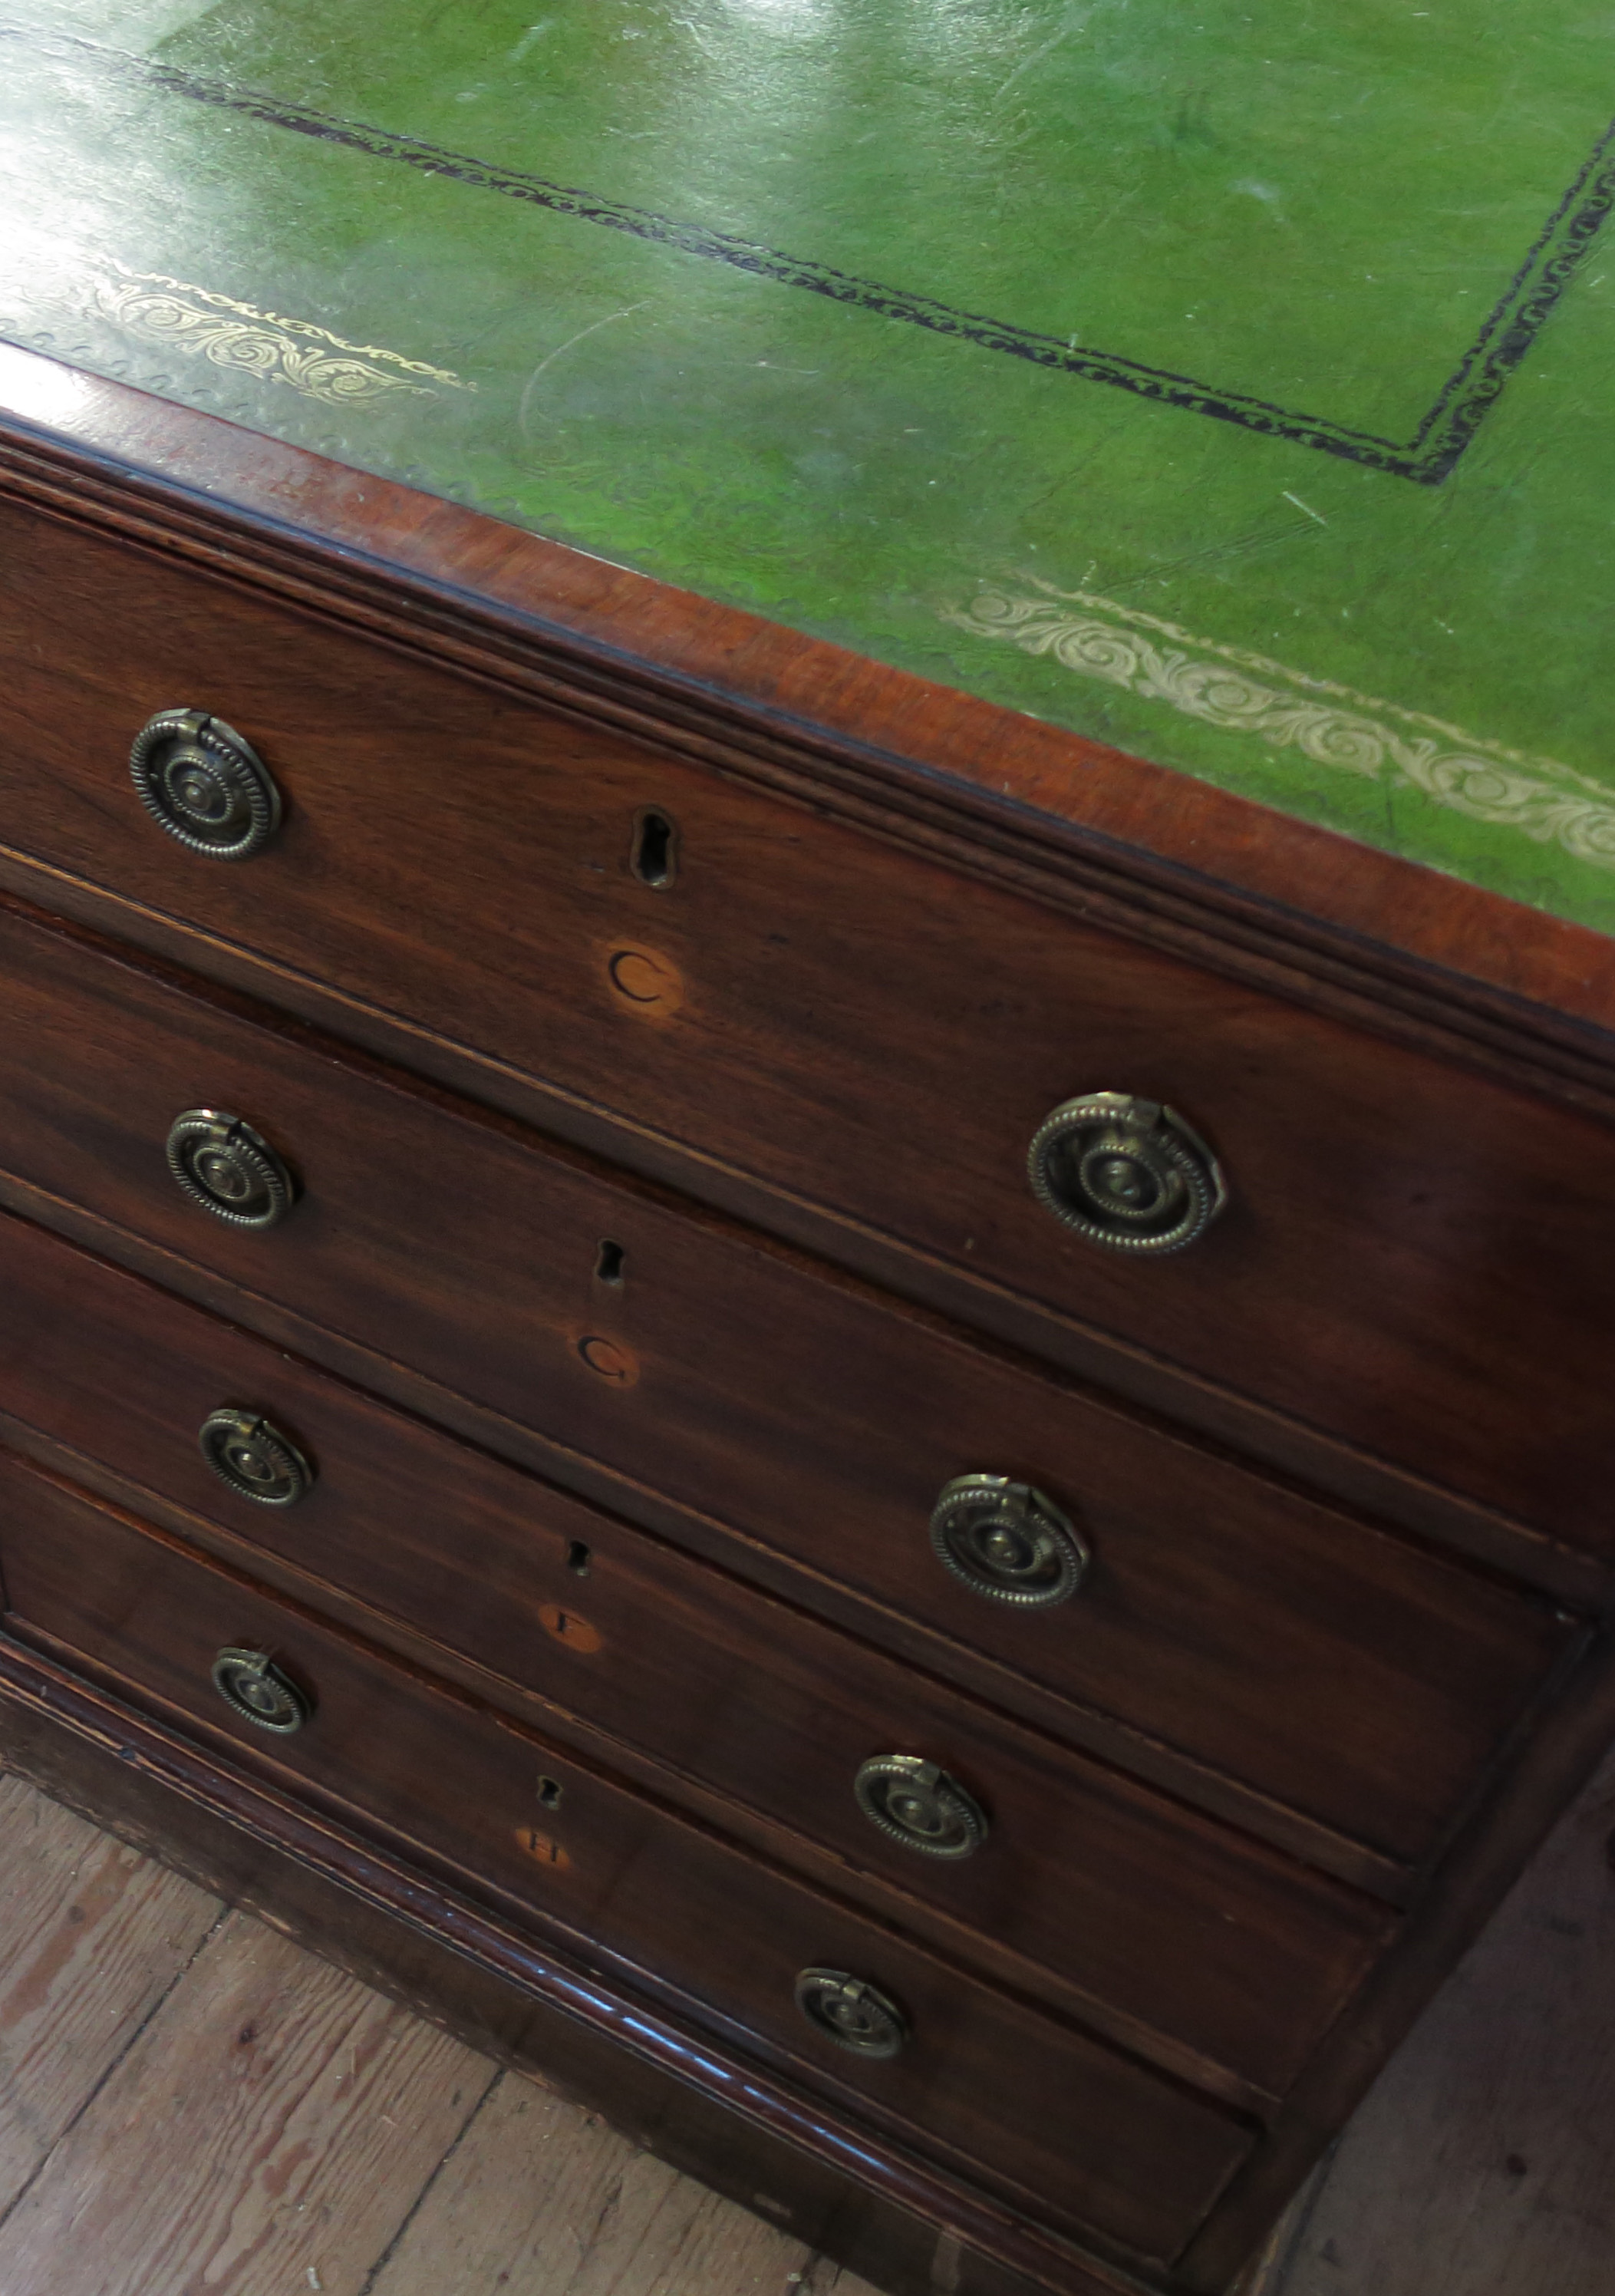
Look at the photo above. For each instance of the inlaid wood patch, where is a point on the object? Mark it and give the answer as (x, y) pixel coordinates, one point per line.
(568, 1628)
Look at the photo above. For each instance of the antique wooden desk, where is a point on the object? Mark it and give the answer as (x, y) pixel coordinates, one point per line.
(808, 1225)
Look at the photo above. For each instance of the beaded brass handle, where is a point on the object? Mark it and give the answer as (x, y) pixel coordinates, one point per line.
(253, 1686)
(254, 1458)
(199, 780)
(919, 1806)
(224, 1165)
(1007, 1541)
(1126, 1172)
(850, 2012)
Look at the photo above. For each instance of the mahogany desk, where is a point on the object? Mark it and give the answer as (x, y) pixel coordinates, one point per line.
(808, 1048)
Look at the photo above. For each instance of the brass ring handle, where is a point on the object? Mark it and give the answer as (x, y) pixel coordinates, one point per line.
(224, 1165)
(850, 2012)
(253, 1686)
(919, 1806)
(1126, 1172)
(199, 780)
(1007, 1541)
(256, 1460)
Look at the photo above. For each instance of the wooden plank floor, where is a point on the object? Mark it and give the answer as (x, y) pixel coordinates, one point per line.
(1483, 2162)
(190, 2105)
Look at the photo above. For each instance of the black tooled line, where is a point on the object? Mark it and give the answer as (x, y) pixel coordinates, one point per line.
(1519, 314)
(1428, 457)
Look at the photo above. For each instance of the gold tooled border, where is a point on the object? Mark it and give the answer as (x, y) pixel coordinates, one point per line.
(264, 344)
(1331, 724)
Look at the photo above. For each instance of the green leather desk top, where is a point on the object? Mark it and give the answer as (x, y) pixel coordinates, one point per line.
(1227, 379)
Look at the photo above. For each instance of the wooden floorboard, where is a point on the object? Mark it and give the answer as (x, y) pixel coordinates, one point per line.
(92, 1938)
(269, 2130)
(1483, 2163)
(192, 2106)
(546, 2200)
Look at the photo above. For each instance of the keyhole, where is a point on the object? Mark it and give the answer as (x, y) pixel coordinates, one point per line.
(655, 854)
(577, 1559)
(608, 1263)
(549, 1793)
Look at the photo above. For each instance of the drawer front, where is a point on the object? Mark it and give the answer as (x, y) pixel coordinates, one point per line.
(847, 1020)
(1359, 1680)
(1092, 2135)
(1242, 1954)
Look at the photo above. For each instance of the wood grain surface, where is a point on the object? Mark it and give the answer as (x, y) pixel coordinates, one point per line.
(547, 2202)
(1397, 1199)
(246, 2139)
(809, 1414)
(1173, 860)
(1124, 1896)
(851, 1025)
(1483, 2163)
(1479, 2167)
(842, 2186)
(1086, 2136)
(95, 1940)
(206, 2107)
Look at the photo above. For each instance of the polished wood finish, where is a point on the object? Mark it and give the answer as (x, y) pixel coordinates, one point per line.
(706, 1199)
(427, 1230)
(1115, 1891)
(1172, 861)
(1085, 2137)
(358, 1903)
(311, 2135)
(359, 1911)
(497, 904)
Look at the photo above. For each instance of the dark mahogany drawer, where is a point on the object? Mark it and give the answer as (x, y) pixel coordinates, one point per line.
(852, 1023)
(1169, 1918)
(1092, 2137)
(1346, 1675)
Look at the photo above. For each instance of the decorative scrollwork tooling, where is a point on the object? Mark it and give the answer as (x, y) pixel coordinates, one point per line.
(1126, 1172)
(199, 780)
(1005, 1540)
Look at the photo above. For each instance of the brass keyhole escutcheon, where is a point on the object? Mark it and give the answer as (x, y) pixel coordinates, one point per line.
(1007, 1541)
(224, 1165)
(1124, 1173)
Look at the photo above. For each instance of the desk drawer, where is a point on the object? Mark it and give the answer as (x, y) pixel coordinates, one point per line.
(1085, 2133)
(1354, 1677)
(848, 1020)
(1132, 1901)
